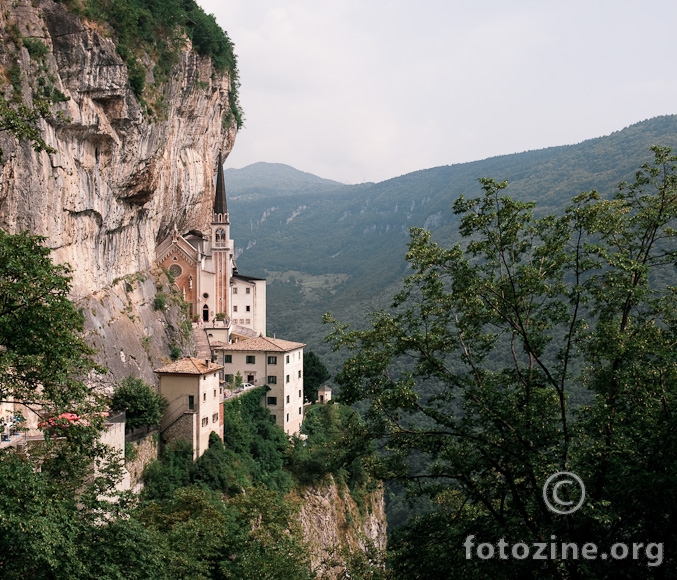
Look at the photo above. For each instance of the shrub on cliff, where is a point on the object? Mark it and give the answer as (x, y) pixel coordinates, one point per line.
(144, 406)
(158, 28)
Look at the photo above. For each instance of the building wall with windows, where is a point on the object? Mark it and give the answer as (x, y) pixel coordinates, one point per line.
(191, 387)
(248, 297)
(274, 362)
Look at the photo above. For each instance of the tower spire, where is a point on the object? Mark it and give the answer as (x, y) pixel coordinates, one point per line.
(220, 205)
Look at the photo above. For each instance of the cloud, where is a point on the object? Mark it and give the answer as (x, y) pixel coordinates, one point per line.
(358, 91)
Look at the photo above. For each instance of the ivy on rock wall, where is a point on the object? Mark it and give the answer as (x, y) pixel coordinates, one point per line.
(159, 29)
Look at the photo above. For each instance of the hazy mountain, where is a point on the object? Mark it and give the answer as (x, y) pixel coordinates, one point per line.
(274, 179)
(342, 246)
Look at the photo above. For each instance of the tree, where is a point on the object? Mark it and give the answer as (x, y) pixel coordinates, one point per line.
(143, 404)
(42, 354)
(539, 345)
(314, 374)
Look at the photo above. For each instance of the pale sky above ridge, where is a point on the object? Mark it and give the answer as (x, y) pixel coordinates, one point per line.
(366, 90)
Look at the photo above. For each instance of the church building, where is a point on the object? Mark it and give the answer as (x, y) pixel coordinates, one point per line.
(203, 267)
(231, 312)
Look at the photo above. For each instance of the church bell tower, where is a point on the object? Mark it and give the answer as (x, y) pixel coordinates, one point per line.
(222, 245)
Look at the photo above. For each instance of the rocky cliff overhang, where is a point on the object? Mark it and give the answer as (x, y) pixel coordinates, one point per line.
(121, 179)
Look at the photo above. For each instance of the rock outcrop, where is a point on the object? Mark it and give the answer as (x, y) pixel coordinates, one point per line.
(121, 179)
(337, 530)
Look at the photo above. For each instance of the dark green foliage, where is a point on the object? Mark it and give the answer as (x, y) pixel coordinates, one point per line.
(143, 404)
(466, 380)
(253, 454)
(36, 48)
(221, 469)
(175, 352)
(172, 471)
(338, 444)
(43, 354)
(315, 373)
(193, 533)
(250, 432)
(53, 520)
(160, 301)
(252, 536)
(157, 27)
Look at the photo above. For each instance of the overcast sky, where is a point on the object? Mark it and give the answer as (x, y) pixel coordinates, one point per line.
(365, 90)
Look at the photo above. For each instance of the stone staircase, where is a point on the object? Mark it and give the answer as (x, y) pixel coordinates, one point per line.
(202, 344)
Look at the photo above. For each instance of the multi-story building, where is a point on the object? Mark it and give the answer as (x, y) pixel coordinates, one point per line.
(273, 362)
(195, 396)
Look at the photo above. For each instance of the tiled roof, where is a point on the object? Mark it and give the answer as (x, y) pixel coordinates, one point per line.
(264, 344)
(189, 366)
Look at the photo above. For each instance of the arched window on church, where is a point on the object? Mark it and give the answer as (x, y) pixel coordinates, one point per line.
(220, 237)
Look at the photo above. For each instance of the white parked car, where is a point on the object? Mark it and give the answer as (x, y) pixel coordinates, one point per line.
(247, 385)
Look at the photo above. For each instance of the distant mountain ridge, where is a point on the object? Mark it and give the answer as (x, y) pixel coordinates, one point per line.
(267, 179)
(342, 246)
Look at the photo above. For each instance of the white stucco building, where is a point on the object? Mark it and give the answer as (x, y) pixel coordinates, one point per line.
(195, 396)
(273, 362)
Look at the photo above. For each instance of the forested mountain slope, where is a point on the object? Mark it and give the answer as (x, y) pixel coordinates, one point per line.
(329, 247)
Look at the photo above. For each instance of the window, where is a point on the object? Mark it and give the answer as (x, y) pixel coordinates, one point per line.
(287, 379)
(228, 378)
(204, 396)
(299, 374)
(300, 411)
(234, 289)
(248, 308)
(248, 321)
(215, 417)
(234, 308)
(287, 417)
(299, 393)
(175, 270)
(205, 421)
(214, 393)
(251, 359)
(287, 359)
(272, 380)
(272, 400)
(287, 399)
(205, 296)
(227, 358)
(272, 360)
(191, 403)
(248, 291)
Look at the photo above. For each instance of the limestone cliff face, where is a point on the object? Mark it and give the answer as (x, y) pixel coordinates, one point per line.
(336, 529)
(121, 179)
